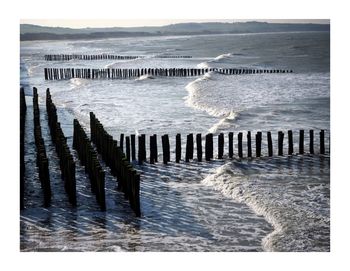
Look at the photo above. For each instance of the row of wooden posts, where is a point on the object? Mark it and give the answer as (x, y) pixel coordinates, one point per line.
(209, 149)
(127, 177)
(88, 157)
(67, 164)
(67, 57)
(23, 110)
(87, 73)
(42, 161)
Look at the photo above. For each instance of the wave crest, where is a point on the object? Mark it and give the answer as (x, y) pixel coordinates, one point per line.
(144, 77)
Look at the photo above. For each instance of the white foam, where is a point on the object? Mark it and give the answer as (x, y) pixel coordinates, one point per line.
(225, 122)
(287, 204)
(144, 77)
(223, 56)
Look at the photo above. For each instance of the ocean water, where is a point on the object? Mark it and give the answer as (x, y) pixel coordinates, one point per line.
(279, 204)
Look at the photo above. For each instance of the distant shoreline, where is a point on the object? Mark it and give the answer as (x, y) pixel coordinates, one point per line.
(36, 32)
(112, 35)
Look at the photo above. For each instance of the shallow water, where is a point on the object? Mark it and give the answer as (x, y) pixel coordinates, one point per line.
(279, 204)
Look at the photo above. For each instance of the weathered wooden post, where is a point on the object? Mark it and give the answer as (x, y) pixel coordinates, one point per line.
(189, 148)
(258, 138)
(220, 145)
(322, 147)
(155, 148)
(290, 142)
(208, 147)
(249, 144)
(301, 142)
(166, 149)
(151, 149)
(178, 148)
(311, 141)
(127, 148)
(280, 143)
(269, 144)
(133, 156)
(144, 152)
(122, 142)
(230, 144)
(240, 145)
(199, 147)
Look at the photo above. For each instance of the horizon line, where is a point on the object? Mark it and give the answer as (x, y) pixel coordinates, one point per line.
(81, 24)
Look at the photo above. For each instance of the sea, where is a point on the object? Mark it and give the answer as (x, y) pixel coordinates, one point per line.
(256, 204)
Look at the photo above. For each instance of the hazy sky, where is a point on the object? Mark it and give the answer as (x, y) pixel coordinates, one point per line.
(130, 23)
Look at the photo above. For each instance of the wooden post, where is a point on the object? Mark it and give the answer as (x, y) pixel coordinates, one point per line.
(290, 142)
(240, 145)
(220, 145)
(155, 148)
(122, 142)
(208, 147)
(258, 143)
(269, 144)
(133, 156)
(311, 141)
(280, 143)
(151, 149)
(178, 148)
(199, 147)
(140, 154)
(144, 152)
(211, 145)
(230, 144)
(189, 148)
(127, 147)
(166, 149)
(322, 147)
(301, 142)
(249, 144)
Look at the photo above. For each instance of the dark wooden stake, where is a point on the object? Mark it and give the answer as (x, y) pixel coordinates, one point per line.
(199, 147)
(311, 141)
(230, 144)
(178, 148)
(208, 147)
(249, 144)
(301, 142)
(322, 147)
(290, 142)
(269, 144)
(133, 155)
(280, 143)
(258, 138)
(240, 145)
(220, 145)
(189, 148)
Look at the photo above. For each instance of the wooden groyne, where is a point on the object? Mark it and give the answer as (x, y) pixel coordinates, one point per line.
(119, 163)
(69, 73)
(23, 111)
(68, 57)
(89, 159)
(244, 149)
(41, 159)
(67, 164)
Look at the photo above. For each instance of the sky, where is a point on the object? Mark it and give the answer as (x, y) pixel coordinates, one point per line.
(82, 23)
